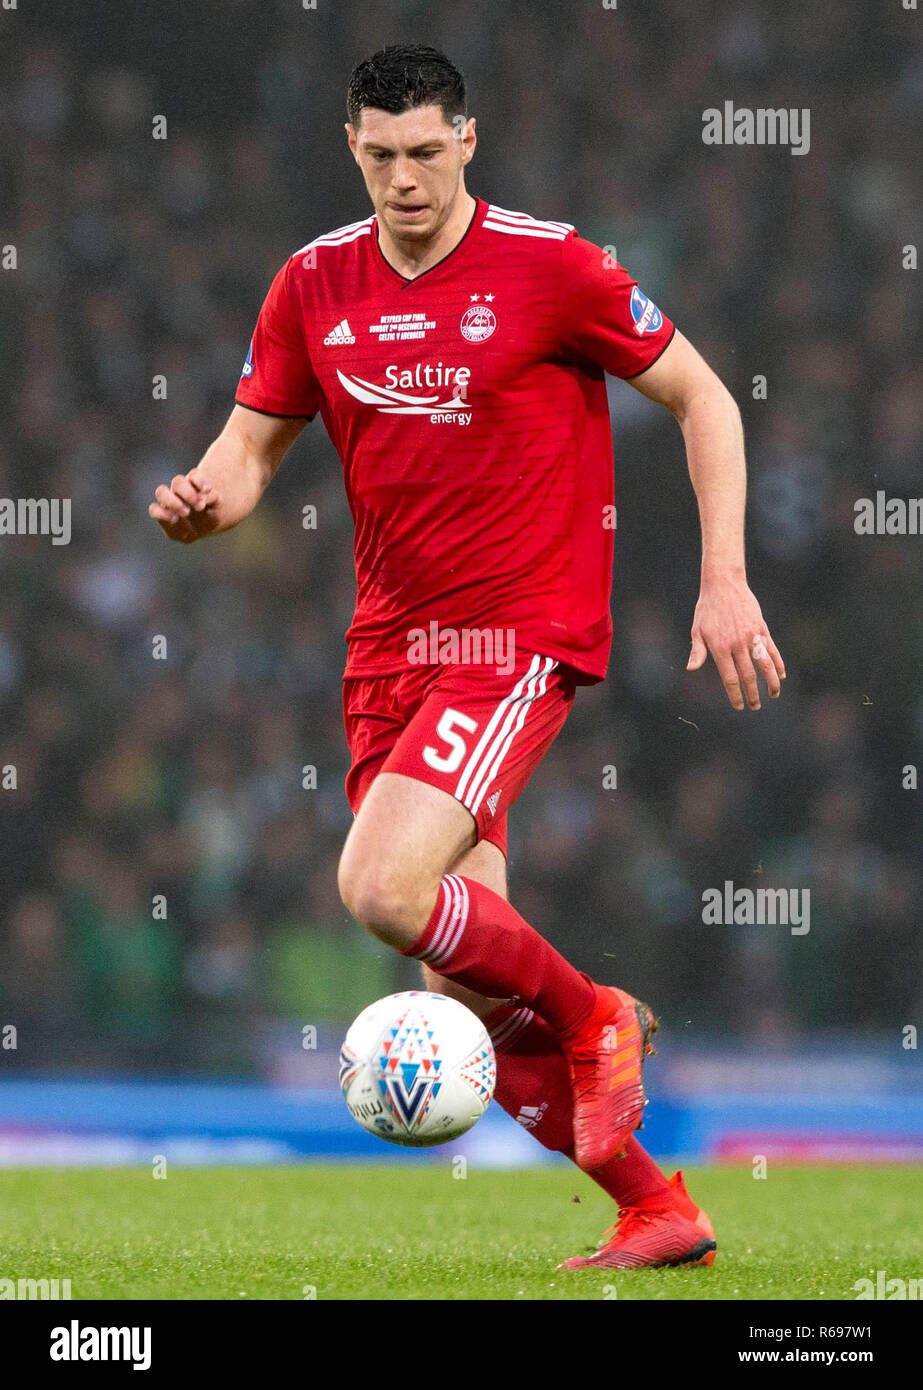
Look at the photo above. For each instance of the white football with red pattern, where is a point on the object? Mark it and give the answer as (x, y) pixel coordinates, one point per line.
(417, 1069)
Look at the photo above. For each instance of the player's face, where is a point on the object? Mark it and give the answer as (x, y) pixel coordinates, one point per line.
(412, 165)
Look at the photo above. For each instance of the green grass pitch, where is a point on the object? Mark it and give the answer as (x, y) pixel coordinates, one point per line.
(351, 1232)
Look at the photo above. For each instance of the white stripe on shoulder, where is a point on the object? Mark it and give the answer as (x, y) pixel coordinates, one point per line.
(340, 235)
(522, 224)
(527, 217)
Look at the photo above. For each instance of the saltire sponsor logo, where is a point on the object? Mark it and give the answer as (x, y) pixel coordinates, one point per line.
(248, 365)
(647, 317)
(390, 401)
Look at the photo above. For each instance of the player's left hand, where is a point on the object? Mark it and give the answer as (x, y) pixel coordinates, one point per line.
(729, 624)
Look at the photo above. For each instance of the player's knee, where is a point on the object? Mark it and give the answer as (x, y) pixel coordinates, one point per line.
(380, 902)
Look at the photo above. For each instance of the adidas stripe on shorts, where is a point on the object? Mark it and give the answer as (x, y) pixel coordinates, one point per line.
(475, 731)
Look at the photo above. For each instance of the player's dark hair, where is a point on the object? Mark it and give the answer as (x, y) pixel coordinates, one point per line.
(402, 76)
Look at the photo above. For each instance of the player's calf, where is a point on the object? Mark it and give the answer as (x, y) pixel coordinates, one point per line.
(479, 1004)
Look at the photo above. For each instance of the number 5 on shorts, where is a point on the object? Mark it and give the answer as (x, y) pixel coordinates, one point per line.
(449, 721)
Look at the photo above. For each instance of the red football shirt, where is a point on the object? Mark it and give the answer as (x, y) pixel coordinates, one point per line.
(469, 409)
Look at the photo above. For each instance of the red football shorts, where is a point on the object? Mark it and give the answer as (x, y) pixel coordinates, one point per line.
(473, 731)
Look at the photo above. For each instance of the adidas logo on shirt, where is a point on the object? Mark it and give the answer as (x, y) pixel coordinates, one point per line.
(340, 336)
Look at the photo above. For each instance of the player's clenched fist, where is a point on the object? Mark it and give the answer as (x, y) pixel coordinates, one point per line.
(188, 509)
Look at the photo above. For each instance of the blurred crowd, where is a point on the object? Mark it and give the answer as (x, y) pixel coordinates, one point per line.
(168, 880)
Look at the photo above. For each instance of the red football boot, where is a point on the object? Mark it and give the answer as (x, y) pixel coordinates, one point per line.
(604, 1060)
(681, 1235)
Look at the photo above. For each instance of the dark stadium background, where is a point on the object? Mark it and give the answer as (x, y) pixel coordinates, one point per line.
(182, 777)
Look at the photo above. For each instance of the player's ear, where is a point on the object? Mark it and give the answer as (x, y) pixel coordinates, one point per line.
(351, 140)
(469, 140)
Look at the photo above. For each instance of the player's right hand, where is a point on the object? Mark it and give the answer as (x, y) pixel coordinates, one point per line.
(188, 509)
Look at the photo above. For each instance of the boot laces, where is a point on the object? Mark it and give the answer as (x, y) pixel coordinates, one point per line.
(627, 1218)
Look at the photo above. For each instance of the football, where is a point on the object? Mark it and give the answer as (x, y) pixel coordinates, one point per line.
(417, 1069)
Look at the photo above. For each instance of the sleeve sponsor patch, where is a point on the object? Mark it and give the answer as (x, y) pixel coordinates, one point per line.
(647, 317)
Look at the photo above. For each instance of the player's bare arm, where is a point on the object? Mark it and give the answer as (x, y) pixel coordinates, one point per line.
(727, 621)
(230, 479)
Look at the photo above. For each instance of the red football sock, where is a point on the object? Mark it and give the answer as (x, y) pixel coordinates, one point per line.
(475, 937)
(533, 1086)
